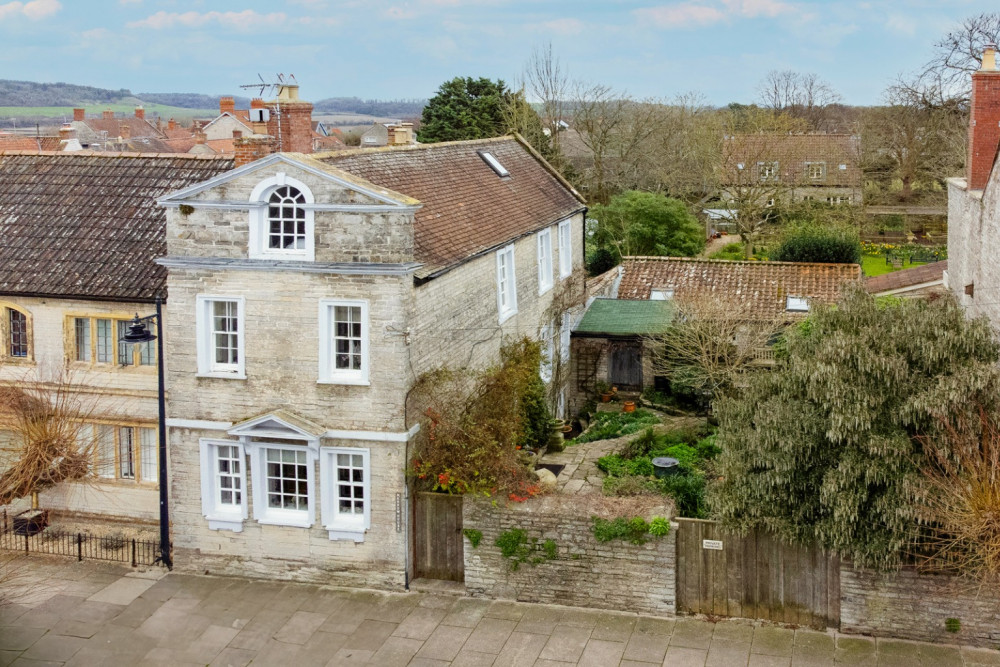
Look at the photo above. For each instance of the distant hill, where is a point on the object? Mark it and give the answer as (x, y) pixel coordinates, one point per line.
(391, 108)
(191, 100)
(31, 94)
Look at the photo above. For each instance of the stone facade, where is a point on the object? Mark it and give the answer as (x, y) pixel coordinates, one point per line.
(585, 573)
(913, 606)
(111, 393)
(973, 226)
(363, 252)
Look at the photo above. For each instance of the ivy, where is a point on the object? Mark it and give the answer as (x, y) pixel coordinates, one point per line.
(517, 548)
(635, 530)
(475, 536)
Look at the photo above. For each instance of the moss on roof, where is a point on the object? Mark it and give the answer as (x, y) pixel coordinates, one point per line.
(615, 317)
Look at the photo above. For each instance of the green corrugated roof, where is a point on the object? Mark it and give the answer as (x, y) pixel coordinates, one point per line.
(622, 317)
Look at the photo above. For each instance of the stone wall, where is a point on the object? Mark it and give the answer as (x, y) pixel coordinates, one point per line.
(586, 573)
(913, 606)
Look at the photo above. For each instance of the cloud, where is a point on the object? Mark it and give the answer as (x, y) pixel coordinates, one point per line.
(690, 14)
(244, 21)
(34, 10)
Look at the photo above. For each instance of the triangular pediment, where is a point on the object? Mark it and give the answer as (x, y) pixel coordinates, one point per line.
(278, 424)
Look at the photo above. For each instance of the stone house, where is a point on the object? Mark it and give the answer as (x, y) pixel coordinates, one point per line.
(307, 295)
(973, 273)
(608, 343)
(80, 236)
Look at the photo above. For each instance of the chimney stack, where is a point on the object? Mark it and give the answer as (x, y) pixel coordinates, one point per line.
(108, 114)
(200, 137)
(140, 113)
(984, 120)
(78, 114)
(171, 124)
(227, 105)
(291, 121)
(67, 138)
(124, 131)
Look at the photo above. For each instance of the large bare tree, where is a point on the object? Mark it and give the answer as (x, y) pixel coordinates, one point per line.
(802, 95)
(547, 82)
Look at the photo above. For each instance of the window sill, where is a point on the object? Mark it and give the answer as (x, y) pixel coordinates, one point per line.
(298, 256)
(356, 536)
(18, 361)
(545, 289)
(356, 382)
(292, 523)
(506, 315)
(223, 376)
(218, 523)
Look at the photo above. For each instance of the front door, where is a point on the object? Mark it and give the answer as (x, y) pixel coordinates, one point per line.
(626, 366)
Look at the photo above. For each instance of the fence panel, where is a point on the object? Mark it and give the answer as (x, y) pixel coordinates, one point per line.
(756, 576)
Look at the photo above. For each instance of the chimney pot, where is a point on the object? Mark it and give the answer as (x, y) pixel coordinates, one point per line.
(989, 58)
(200, 137)
(257, 103)
(78, 114)
(140, 113)
(171, 124)
(226, 105)
(124, 131)
(108, 114)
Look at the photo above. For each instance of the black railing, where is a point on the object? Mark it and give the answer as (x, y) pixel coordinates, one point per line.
(79, 545)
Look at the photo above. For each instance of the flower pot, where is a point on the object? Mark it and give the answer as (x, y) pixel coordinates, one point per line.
(628, 406)
(606, 397)
(567, 428)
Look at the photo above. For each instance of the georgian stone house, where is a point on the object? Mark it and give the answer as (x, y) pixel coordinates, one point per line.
(307, 295)
(80, 233)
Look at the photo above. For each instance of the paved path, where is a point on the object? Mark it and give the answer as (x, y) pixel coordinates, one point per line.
(98, 614)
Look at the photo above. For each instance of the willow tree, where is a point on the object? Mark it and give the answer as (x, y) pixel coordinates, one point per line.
(828, 446)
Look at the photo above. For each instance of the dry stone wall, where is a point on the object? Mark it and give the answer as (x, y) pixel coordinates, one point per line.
(585, 573)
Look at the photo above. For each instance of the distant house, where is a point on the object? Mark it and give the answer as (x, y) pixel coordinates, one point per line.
(391, 134)
(229, 122)
(973, 273)
(77, 261)
(607, 342)
(109, 128)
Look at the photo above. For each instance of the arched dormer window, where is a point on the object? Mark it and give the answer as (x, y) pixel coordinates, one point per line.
(281, 220)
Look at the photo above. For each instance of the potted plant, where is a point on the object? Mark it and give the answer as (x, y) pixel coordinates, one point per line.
(604, 390)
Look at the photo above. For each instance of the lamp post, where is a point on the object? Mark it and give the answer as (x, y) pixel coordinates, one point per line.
(139, 333)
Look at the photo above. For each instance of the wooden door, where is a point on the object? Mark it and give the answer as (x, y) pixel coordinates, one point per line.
(438, 547)
(626, 366)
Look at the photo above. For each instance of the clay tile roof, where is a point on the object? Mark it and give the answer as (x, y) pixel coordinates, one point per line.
(762, 286)
(794, 151)
(138, 127)
(467, 208)
(86, 224)
(20, 142)
(918, 275)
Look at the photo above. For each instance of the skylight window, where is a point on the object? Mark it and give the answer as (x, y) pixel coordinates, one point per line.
(796, 304)
(494, 164)
(661, 294)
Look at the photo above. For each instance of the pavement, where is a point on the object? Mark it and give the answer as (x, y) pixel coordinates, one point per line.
(61, 612)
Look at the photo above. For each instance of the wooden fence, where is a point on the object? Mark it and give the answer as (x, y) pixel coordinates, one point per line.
(756, 576)
(438, 547)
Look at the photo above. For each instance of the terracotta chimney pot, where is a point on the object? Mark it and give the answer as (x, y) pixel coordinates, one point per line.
(108, 114)
(171, 124)
(140, 113)
(78, 114)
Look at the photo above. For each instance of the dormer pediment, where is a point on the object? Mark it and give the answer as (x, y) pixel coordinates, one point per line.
(279, 424)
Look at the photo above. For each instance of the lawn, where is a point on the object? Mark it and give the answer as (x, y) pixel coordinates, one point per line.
(96, 109)
(875, 265)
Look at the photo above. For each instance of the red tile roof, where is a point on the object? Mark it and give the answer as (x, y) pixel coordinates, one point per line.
(467, 208)
(762, 286)
(138, 127)
(918, 275)
(794, 151)
(86, 224)
(21, 142)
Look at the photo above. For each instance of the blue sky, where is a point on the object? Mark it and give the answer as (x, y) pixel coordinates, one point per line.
(391, 49)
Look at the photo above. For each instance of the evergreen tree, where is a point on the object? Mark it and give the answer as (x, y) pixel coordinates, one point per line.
(465, 108)
(828, 446)
(648, 224)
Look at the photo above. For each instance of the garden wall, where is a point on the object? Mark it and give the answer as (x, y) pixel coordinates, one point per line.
(915, 606)
(585, 573)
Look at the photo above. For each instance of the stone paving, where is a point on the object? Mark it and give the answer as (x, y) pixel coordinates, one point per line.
(69, 613)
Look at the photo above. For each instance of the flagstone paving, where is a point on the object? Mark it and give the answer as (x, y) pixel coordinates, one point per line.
(61, 612)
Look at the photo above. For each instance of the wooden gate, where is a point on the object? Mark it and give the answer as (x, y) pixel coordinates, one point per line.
(626, 365)
(438, 547)
(756, 576)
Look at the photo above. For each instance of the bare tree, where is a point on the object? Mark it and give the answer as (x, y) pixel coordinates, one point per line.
(713, 340)
(686, 147)
(545, 80)
(803, 95)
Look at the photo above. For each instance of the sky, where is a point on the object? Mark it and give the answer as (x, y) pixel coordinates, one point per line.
(404, 49)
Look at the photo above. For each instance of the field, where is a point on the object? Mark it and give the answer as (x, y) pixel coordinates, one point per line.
(66, 113)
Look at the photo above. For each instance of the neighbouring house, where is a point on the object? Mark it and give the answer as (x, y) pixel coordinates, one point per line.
(388, 134)
(973, 273)
(229, 121)
(918, 281)
(81, 233)
(607, 344)
(109, 129)
(307, 295)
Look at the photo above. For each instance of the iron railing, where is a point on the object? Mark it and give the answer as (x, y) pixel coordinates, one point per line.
(79, 545)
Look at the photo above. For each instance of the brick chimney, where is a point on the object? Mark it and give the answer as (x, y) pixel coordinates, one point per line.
(984, 120)
(227, 105)
(252, 148)
(200, 137)
(140, 113)
(258, 127)
(124, 131)
(67, 138)
(291, 121)
(171, 124)
(78, 114)
(108, 114)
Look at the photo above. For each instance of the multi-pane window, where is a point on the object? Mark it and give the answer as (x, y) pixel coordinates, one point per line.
(17, 331)
(343, 354)
(98, 340)
(565, 249)
(220, 336)
(287, 479)
(124, 452)
(768, 171)
(544, 261)
(816, 171)
(286, 219)
(223, 484)
(506, 283)
(564, 337)
(351, 482)
(228, 476)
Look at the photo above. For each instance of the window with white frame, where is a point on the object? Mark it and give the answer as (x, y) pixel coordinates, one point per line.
(506, 283)
(223, 484)
(564, 337)
(123, 452)
(565, 249)
(545, 370)
(283, 484)
(282, 220)
(345, 474)
(220, 334)
(816, 171)
(768, 171)
(343, 352)
(544, 261)
(661, 294)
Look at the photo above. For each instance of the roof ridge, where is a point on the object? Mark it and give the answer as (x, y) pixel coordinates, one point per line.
(409, 147)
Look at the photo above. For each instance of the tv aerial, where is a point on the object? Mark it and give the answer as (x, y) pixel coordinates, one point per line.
(272, 87)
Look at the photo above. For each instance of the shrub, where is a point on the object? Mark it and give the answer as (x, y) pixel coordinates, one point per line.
(819, 244)
(688, 492)
(635, 530)
(731, 251)
(659, 527)
(601, 260)
(608, 425)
